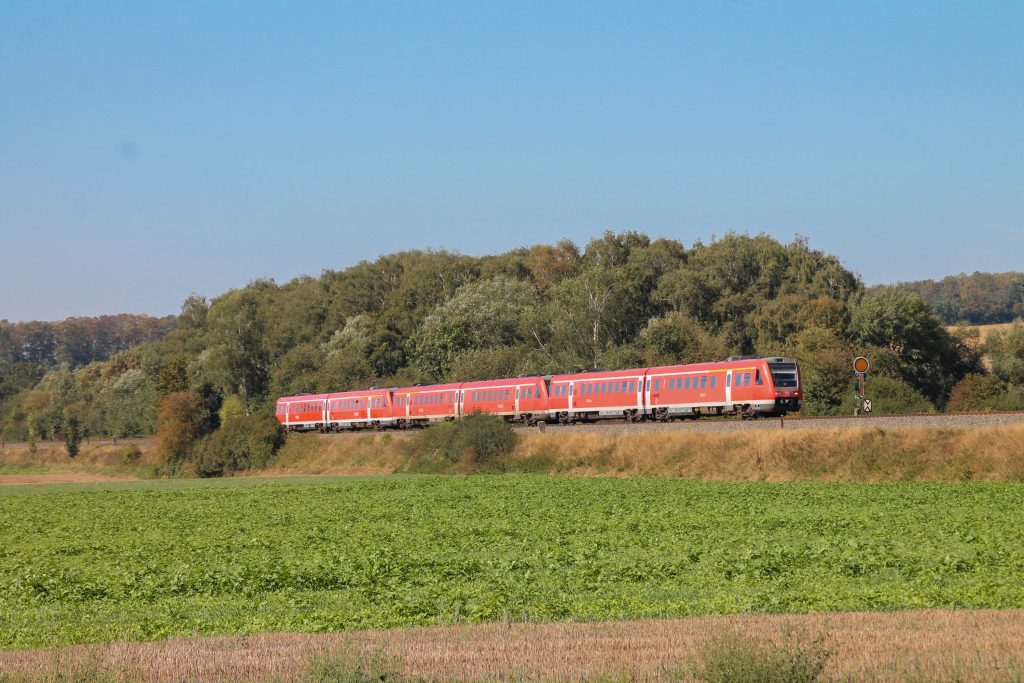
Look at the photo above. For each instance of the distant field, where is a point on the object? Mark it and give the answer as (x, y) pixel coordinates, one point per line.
(142, 561)
(985, 330)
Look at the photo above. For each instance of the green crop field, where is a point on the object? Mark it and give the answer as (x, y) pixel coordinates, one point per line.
(150, 560)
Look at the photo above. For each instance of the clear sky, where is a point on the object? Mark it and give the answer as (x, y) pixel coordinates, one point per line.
(151, 150)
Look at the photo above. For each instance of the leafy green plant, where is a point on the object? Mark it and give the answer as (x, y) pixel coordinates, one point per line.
(156, 559)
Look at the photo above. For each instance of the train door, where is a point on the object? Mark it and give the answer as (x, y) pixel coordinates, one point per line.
(640, 395)
(571, 392)
(646, 383)
(518, 389)
(728, 389)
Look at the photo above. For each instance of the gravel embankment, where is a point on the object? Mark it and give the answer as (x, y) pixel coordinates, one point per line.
(883, 422)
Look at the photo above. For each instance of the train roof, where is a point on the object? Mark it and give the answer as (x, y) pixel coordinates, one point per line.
(302, 397)
(424, 388)
(600, 374)
(505, 382)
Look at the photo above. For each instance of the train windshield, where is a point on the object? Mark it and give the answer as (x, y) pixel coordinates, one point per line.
(784, 375)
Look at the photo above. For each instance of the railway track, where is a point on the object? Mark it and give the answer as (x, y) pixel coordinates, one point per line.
(724, 424)
(731, 424)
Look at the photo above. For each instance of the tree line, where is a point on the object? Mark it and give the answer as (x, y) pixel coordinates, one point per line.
(978, 299)
(622, 300)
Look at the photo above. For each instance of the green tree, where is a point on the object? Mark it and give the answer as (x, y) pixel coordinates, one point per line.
(1006, 351)
(481, 315)
(825, 367)
(232, 407)
(72, 428)
(679, 338)
(914, 345)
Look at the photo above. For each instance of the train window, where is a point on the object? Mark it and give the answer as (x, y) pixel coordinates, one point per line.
(713, 378)
(657, 384)
(671, 383)
(632, 386)
(704, 382)
(757, 377)
(746, 379)
(648, 384)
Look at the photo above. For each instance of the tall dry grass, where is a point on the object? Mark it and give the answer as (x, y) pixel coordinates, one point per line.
(994, 454)
(933, 645)
(132, 458)
(840, 455)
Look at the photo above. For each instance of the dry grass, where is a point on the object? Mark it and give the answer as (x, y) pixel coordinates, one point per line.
(983, 333)
(993, 454)
(894, 646)
(840, 455)
(983, 330)
(983, 454)
(98, 458)
(349, 454)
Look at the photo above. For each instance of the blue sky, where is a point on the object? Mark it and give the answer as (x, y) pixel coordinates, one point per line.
(152, 150)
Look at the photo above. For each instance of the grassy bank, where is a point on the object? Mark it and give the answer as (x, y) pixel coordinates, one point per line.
(990, 454)
(994, 454)
(134, 458)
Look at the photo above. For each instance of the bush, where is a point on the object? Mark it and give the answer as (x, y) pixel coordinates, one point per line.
(476, 439)
(1011, 399)
(733, 659)
(973, 391)
(890, 396)
(241, 443)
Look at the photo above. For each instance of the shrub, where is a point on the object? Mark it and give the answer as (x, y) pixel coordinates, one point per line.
(1011, 399)
(973, 391)
(241, 443)
(476, 439)
(734, 659)
(890, 396)
(349, 666)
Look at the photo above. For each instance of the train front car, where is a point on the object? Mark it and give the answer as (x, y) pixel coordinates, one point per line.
(787, 384)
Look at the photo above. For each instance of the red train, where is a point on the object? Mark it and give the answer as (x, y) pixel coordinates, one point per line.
(743, 386)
